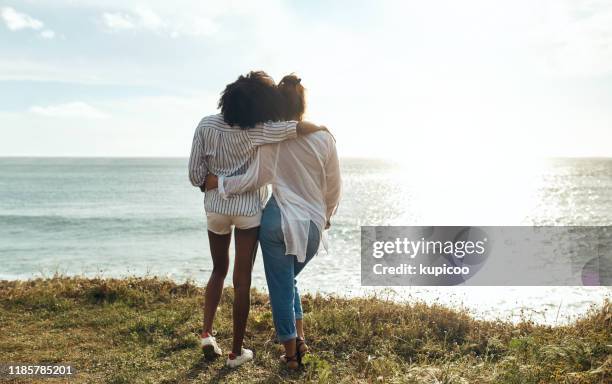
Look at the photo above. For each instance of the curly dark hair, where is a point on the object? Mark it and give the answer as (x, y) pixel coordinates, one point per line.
(293, 97)
(250, 100)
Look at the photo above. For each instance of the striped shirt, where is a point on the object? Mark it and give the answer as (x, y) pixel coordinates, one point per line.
(228, 151)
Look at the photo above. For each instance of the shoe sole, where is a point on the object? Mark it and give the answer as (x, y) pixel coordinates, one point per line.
(239, 365)
(209, 352)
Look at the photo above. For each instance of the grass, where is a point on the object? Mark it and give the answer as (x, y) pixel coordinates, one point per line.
(146, 331)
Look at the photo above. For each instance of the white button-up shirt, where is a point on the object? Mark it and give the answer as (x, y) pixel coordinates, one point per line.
(305, 178)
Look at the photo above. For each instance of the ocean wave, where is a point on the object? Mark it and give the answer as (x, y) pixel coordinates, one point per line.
(99, 224)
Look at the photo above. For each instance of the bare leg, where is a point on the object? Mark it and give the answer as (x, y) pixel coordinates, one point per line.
(246, 249)
(299, 327)
(219, 249)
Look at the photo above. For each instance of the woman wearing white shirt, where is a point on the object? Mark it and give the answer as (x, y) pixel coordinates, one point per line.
(226, 144)
(305, 178)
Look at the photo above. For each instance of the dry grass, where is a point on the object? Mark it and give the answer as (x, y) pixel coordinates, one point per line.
(145, 331)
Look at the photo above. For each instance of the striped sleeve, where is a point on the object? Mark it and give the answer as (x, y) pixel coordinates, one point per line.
(197, 163)
(272, 132)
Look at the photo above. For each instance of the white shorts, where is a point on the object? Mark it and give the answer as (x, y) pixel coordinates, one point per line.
(222, 224)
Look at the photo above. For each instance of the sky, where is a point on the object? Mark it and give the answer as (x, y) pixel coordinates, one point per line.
(407, 80)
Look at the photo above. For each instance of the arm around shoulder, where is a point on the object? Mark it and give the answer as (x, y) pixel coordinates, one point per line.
(306, 127)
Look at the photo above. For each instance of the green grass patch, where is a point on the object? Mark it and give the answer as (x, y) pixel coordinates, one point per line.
(140, 330)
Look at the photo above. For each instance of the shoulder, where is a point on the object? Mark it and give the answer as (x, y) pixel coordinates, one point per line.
(322, 137)
(213, 122)
(321, 141)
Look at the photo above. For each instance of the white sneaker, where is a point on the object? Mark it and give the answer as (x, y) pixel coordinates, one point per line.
(209, 346)
(234, 361)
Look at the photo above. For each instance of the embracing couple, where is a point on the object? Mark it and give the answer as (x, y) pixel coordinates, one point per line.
(259, 139)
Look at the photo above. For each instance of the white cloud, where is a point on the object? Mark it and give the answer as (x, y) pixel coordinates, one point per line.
(16, 20)
(174, 24)
(118, 21)
(166, 122)
(148, 19)
(77, 109)
(47, 34)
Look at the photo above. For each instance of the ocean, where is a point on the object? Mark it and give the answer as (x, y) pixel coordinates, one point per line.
(140, 216)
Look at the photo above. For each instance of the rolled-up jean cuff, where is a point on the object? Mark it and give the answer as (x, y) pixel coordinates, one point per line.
(283, 338)
(299, 317)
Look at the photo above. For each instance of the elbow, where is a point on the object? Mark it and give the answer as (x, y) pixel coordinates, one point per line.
(194, 180)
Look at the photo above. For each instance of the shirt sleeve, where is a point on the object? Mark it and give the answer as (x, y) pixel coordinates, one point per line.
(197, 162)
(272, 132)
(333, 181)
(261, 172)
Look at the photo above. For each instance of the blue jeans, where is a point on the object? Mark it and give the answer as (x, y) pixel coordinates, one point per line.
(282, 269)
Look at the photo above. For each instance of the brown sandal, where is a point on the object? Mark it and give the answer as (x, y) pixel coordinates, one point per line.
(301, 350)
(292, 362)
